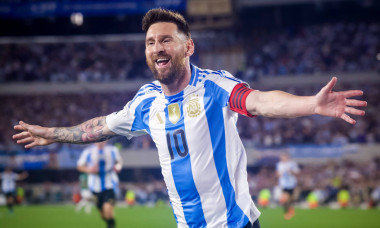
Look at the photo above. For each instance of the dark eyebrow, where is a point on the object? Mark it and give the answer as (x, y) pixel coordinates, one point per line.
(166, 36)
(161, 38)
(149, 39)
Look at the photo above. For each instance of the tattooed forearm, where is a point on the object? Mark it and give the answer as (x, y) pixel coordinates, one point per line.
(94, 130)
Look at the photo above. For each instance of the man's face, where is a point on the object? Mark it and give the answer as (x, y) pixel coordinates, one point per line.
(101, 145)
(165, 50)
(284, 157)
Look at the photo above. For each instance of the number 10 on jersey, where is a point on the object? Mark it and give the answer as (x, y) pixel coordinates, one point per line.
(177, 143)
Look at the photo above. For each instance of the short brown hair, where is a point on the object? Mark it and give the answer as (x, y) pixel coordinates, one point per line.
(164, 15)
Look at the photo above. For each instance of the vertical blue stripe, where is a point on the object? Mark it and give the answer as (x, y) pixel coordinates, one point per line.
(141, 121)
(102, 170)
(88, 158)
(182, 170)
(214, 114)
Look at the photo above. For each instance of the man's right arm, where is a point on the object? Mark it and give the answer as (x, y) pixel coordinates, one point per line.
(94, 130)
(88, 170)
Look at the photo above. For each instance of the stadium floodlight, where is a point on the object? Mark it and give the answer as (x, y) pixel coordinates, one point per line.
(76, 19)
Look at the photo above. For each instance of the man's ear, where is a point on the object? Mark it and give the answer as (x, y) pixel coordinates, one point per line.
(189, 47)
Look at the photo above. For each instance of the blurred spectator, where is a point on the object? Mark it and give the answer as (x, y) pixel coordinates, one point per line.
(332, 47)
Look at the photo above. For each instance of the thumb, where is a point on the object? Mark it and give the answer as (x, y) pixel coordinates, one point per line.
(330, 85)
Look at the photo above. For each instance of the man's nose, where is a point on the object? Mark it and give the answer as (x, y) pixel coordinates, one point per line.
(158, 48)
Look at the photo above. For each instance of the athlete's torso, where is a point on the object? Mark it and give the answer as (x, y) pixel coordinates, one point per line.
(201, 155)
(105, 160)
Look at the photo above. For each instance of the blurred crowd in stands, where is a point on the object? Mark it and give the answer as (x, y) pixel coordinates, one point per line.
(339, 47)
(314, 49)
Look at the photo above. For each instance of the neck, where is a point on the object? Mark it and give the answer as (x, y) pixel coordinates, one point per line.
(179, 84)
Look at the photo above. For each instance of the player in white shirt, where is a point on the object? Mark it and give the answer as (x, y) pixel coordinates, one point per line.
(191, 115)
(287, 171)
(86, 196)
(8, 185)
(102, 162)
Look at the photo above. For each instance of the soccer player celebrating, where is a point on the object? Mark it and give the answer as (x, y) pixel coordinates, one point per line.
(101, 162)
(287, 171)
(8, 185)
(191, 115)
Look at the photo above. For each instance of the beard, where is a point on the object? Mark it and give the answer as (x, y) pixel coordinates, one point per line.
(176, 70)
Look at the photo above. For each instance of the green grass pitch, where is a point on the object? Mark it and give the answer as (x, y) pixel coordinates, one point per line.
(66, 217)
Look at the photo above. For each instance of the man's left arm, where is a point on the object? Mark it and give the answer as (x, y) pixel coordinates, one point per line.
(279, 104)
(22, 176)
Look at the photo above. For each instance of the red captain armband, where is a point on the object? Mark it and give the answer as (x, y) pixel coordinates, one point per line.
(238, 97)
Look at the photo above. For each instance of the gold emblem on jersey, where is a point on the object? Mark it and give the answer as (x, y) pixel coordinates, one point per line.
(194, 108)
(174, 113)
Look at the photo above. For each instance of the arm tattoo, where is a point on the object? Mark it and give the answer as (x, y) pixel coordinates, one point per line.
(87, 132)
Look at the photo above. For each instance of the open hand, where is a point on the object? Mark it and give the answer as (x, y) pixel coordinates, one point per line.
(337, 104)
(32, 135)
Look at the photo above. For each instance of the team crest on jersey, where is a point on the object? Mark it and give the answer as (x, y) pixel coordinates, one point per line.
(174, 113)
(194, 108)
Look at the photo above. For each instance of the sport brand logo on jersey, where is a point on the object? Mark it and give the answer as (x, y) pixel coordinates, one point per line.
(174, 113)
(194, 108)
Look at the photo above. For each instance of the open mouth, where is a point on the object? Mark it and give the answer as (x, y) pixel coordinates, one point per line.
(162, 62)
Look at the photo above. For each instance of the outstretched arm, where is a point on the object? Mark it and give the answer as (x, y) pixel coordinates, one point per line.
(94, 130)
(89, 170)
(22, 176)
(325, 103)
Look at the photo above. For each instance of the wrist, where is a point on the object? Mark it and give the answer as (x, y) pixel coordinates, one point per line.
(51, 135)
(313, 105)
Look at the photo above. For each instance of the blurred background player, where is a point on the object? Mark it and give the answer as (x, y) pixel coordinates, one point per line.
(85, 194)
(8, 185)
(102, 162)
(286, 171)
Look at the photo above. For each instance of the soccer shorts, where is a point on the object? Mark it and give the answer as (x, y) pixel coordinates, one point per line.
(106, 196)
(10, 195)
(288, 190)
(256, 224)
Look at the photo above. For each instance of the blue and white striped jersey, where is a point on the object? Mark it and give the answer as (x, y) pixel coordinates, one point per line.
(202, 158)
(8, 184)
(105, 159)
(285, 168)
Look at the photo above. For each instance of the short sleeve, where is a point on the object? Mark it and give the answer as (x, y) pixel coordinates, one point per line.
(127, 122)
(121, 122)
(219, 85)
(228, 82)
